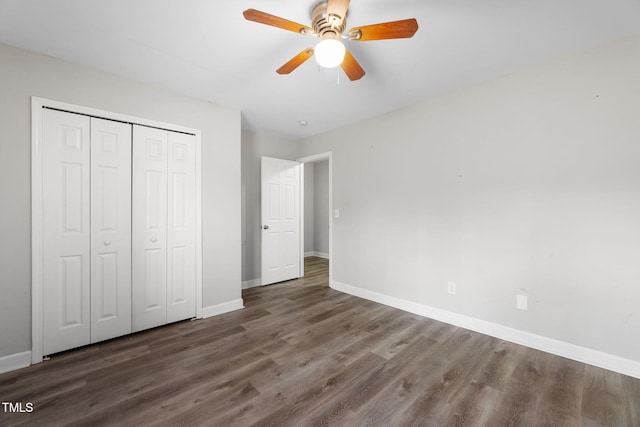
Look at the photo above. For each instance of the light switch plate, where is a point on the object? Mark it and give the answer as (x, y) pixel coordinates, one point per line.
(521, 302)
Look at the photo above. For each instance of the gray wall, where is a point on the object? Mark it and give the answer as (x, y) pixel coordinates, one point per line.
(529, 181)
(254, 146)
(309, 212)
(24, 74)
(321, 207)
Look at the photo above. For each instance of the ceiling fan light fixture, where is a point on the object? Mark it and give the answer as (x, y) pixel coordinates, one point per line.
(329, 53)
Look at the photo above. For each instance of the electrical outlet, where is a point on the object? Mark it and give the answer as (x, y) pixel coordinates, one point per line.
(451, 287)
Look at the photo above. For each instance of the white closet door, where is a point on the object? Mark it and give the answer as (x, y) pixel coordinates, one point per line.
(66, 231)
(181, 238)
(110, 229)
(149, 234)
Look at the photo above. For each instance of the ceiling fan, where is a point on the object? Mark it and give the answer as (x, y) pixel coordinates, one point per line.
(329, 23)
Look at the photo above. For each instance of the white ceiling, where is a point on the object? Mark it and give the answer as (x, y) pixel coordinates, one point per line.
(206, 49)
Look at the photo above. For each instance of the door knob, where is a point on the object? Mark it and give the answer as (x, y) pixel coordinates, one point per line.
(153, 240)
(107, 242)
(265, 227)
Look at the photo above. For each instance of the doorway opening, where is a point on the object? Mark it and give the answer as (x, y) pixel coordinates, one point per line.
(317, 208)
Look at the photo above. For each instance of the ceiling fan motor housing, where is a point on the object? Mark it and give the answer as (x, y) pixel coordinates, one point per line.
(327, 26)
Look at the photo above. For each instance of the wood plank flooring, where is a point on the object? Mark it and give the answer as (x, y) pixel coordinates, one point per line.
(302, 354)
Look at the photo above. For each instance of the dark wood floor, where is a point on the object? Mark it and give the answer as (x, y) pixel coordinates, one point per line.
(302, 354)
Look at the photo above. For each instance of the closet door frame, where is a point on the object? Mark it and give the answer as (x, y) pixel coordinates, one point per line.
(37, 289)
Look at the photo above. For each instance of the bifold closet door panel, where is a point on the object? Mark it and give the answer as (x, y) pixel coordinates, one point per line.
(110, 229)
(181, 238)
(66, 230)
(149, 233)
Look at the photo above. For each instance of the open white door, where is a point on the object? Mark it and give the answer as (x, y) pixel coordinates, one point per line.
(281, 244)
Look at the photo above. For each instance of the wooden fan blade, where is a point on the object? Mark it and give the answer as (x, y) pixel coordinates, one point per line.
(275, 21)
(403, 29)
(338, 7)
(352, 69)
(295, 62)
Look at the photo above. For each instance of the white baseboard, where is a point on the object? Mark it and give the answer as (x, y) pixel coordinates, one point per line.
(15, 361)
(318, 254)
(225, 307)
(247, 284)
(559, 348)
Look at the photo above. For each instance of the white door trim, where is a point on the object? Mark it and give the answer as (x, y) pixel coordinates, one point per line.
(37, 104)
(318, 158)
